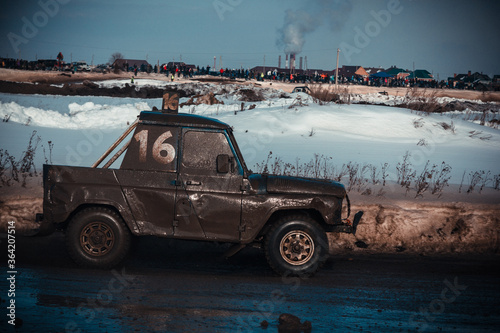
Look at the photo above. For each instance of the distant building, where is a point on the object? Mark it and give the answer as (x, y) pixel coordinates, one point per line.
(398, 73)
(373, 70)
(320, 72)
(476, 77)
(420, 74)
(272, 69)
(350, 71)
(476, 81)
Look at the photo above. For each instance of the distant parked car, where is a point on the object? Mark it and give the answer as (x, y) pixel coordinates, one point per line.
(303, 89)
(81, 66)
(101, 69)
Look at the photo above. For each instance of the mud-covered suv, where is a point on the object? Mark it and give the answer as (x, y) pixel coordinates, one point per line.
(183, 176)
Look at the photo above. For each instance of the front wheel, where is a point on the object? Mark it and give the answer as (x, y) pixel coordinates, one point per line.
(97, 237)
(296, 246)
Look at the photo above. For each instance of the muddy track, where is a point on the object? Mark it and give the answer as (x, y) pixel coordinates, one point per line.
(182, 286)
(86, 88)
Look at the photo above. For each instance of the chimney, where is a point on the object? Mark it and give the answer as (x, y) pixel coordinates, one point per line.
(455, 75)
(300, 63)
(279, 61)
(286, 62)
(292, 61)
(469, 74)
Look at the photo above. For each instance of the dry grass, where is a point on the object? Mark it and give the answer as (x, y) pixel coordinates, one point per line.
(327, 93)
(18, 170)
(422, 100)
(362, 178)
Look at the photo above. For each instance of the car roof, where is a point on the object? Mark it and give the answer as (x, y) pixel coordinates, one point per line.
(180, 119)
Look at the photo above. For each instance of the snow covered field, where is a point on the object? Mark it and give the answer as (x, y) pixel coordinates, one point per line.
(298, 131)
(81, 128)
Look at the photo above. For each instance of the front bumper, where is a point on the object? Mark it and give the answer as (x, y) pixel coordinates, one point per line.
(348, 226)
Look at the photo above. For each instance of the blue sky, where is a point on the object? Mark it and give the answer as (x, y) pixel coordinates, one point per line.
(444, 37)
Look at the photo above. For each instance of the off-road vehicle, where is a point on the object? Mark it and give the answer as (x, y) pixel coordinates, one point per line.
(183, 176)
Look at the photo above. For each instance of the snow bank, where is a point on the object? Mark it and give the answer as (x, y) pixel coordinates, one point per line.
(137, 82)
(80, 116)
(382, 99)
(231, 91)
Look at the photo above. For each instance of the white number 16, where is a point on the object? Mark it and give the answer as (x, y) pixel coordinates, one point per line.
(158, 147)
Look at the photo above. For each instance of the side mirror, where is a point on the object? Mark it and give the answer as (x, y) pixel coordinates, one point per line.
(223, 163)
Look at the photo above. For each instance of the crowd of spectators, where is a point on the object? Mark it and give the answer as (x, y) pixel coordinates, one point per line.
(301, 76)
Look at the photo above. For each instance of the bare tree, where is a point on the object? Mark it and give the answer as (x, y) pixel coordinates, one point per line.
(115, 56)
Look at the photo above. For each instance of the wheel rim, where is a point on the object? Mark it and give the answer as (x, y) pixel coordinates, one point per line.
(97, 239)
(297, 247)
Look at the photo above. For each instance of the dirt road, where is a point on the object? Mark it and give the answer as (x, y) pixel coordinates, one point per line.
(179, 286)
(54, 77)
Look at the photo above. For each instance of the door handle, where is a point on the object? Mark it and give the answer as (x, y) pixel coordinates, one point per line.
(190, 182)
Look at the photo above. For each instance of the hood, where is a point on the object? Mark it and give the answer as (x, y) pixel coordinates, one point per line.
(295, 185)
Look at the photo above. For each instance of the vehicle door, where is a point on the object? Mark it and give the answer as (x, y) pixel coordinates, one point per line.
(148, 176)
(210, 179)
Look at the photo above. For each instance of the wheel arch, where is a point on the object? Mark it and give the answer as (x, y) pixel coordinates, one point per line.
(97, 236)
(130, 224)
(278, 214)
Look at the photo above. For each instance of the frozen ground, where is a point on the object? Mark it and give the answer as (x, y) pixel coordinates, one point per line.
(299, 131)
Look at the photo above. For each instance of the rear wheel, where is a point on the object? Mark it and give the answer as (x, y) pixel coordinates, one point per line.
(296, 246)
(97, 237)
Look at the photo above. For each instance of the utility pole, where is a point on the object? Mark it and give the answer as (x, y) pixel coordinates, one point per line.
(92, 62)
(264, 65)
(337, 71)
(215, 60)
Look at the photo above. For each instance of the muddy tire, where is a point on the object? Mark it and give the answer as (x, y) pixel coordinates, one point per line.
(97, 237)
(296, 245)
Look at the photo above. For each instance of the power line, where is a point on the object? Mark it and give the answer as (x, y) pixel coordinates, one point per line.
(274, 52)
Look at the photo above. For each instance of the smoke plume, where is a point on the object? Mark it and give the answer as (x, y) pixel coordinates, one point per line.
(299, 23)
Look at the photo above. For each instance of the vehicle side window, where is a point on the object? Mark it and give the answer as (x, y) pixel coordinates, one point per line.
(152, 148)
(200, 151)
